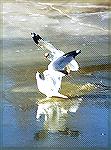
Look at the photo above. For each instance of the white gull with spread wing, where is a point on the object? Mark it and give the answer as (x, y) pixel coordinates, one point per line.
(49, 82)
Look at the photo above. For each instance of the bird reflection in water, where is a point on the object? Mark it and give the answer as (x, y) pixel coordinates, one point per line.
(54, 113)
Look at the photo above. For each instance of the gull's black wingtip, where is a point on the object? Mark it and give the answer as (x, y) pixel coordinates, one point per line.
(35, 37)
(73, 53)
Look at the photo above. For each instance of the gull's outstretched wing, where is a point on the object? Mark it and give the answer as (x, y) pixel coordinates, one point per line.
(55, 53)
(73, 65)
(60, 63)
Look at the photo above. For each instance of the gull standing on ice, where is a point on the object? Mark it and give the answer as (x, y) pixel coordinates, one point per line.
(49, 82)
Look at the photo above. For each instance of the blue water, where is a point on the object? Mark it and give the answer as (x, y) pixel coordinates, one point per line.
(19, 126)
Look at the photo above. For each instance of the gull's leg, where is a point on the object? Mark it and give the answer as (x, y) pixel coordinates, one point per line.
(68, 69)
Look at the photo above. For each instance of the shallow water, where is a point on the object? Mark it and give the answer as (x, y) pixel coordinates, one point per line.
(31, 120)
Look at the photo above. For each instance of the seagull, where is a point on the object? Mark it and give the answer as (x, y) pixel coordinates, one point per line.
(54, 53)
(49, 82)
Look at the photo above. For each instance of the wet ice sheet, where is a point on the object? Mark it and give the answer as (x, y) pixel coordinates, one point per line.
(75, 29)
(26, 107)
(90, 119)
